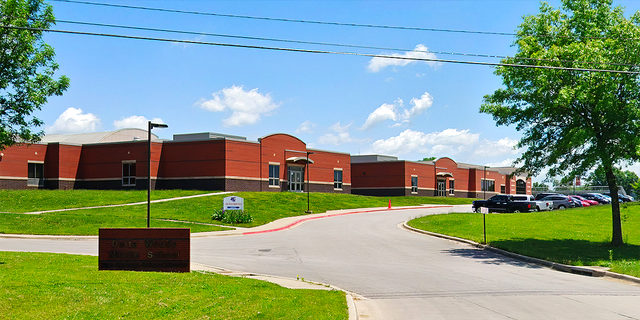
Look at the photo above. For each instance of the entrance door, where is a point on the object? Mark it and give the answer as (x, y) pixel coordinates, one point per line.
(442, 188)
(296, 178)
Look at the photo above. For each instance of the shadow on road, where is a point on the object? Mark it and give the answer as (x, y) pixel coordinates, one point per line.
(570, 251)
(488, 257)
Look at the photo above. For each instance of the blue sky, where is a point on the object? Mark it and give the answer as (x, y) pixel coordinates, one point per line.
(353, 104)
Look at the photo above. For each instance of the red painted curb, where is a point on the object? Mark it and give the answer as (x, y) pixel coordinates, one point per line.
(335, 215)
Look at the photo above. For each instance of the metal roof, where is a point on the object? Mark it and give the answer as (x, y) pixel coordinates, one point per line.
(122, 135)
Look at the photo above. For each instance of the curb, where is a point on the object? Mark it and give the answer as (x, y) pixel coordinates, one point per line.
(585, 271)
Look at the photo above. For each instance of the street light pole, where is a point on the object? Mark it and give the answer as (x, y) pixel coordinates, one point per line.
(308, 202)
(151, 126)
(484, 184)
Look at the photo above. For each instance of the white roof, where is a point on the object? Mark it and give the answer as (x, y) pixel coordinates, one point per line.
(122, 135)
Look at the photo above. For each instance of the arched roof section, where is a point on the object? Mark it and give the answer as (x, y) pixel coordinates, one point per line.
(446, 158)
(281, 135)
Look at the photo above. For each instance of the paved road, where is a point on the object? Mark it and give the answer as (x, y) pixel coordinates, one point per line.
(403, 275)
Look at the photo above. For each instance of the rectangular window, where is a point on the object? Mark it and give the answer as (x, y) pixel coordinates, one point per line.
(503, 189)
(274, 175)
(337, 179)
(452, 187)
(414, 184)
(36, 175)
(488, 185)
(128, 174)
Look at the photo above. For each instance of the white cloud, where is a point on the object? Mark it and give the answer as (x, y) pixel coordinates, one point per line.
(246, 106)
(73, 120)
(504, 163)
(488, 148)
(139, 122)
(449, 141)
(306, 127)
(340, 136)
(419, 106)
(397, 112)
(420, 52)
(384, 112)
(335, 139)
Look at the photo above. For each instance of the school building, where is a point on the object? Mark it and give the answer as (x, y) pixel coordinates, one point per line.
(213, 161)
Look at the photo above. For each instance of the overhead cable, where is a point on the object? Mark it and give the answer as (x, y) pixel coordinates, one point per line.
(345, 24)
(283, 19)
(334, 44)
(321, 51)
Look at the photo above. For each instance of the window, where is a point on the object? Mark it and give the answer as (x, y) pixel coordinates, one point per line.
(274, 175)
(337, 179)
(452, 187)
(521, 187)
(414, 184)
(503, 189)
(36, 175)
(488, 185)
(128, 174)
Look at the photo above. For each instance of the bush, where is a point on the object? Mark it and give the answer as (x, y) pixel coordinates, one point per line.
(232, 216)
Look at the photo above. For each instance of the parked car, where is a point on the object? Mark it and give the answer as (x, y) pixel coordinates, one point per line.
(590, 202)
(621, 197)
(540, 205)
(579, 202)
(542, 195)
(595, 197)
(560, 201)
(604, 196)
(504, 203)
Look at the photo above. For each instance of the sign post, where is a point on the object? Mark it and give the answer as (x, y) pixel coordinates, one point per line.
(484, 211)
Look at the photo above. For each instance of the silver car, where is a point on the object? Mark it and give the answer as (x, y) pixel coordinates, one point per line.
(559, 201)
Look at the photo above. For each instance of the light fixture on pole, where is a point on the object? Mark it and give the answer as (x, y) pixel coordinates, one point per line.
(151, 126)
(308, 205)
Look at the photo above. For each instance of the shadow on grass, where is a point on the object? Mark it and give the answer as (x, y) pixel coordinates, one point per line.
(489, 257)
(569, 251)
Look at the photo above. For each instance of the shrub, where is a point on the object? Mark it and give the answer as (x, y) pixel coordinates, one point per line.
(231, 216)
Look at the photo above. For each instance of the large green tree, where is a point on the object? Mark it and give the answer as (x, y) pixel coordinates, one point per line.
(573, 120)
(27, 68)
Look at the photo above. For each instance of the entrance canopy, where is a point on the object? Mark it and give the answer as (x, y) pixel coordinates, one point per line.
(299, 160)
(444, 174)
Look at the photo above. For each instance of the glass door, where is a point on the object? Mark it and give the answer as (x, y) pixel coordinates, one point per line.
(442, 188)
(296, 178)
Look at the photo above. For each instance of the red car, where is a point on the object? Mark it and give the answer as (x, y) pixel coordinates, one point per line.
(585, 202)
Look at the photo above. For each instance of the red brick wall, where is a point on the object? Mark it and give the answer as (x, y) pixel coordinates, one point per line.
(192, 159)
(387, 174)
(104, 161)
(243, 159)
(277, 148)
(15, 159)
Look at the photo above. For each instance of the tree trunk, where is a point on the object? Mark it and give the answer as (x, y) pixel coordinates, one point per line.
(616, 240)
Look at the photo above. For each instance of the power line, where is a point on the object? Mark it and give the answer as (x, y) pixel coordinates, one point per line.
(334, 44)
(321, 51)
(283, 19)
(345, 24)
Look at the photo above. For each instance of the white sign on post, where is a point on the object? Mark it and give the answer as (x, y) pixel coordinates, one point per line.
(233, 203)
(484, 210)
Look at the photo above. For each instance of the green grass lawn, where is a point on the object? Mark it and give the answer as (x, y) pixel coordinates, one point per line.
(579, 236)
(57, 286)
(263, 206)
(20, 201)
